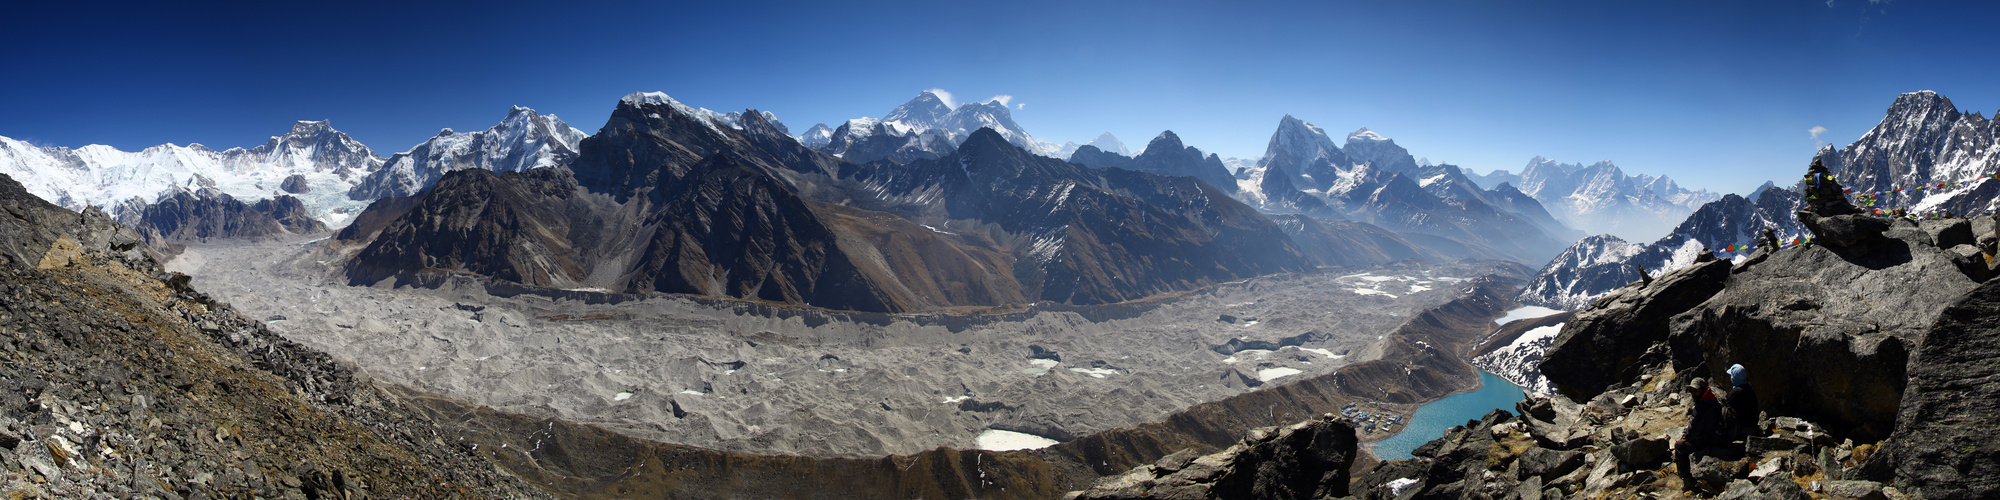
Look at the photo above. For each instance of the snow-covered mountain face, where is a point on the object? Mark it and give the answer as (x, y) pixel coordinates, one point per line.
(1923, 141)
(1374, 180)
(1367, 146)
(817, 136)
(929, 113)
(1601, 199)
(330, 173)
(318, 163)
(523, 140)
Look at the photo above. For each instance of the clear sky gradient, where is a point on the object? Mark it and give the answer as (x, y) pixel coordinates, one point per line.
(1717, 94)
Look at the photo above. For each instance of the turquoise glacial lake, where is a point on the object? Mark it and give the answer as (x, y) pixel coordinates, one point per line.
(1432, 419)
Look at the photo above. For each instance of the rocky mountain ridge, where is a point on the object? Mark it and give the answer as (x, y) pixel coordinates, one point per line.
(1165, 155)
(1921, 142)
(122, 381)
(924, 127)
(1373, 180)
(663, 199)
(312, 161)
(523, 140)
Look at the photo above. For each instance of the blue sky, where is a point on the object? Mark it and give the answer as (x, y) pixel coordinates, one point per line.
(1717, 94)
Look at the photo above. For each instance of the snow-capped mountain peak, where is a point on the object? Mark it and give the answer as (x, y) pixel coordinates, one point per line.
(318, 162)
(926, 111)
(1110, 143)
(522, 140)
(930, 112)
(817, 136)
(1367, 146)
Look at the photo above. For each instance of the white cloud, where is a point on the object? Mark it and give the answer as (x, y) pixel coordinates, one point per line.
(1021, 106)
(1003, 98)
(944, 96)
(1816, 131)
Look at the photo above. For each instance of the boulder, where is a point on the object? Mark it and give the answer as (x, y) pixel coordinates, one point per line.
(1944, 445)
(1857, 232)
(1642, 453)
(1602, 346)
(1543, 464)
(1307, 460)
(1715, 472)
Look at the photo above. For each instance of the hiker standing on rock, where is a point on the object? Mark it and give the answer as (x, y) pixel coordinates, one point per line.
(1703, 428)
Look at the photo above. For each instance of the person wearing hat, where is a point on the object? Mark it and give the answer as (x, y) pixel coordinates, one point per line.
(1703, 430)
(1742, 403)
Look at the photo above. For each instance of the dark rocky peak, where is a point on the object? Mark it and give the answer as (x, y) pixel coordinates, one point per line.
(1166, 142)
(1919, 111)
(290, 214)
(1759, 191)
(1281, 195)
(306, 129)
(651, 141)
(1307, 153)
(182, 216)
(760, 125)
(987, 156)
(1166, 155)
(1092, 157)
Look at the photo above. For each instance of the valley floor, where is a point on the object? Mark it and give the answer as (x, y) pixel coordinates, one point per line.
(755, 378)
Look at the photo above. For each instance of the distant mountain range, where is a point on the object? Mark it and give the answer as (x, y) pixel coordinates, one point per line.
(1365, 200)
(1921, 142)
(666, 198)
(1373, 180)
(1601, 198)
(923, 128)
(312, 161)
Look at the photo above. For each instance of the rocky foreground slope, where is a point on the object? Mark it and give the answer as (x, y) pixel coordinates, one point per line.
(1870, 351)
(122, 381)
